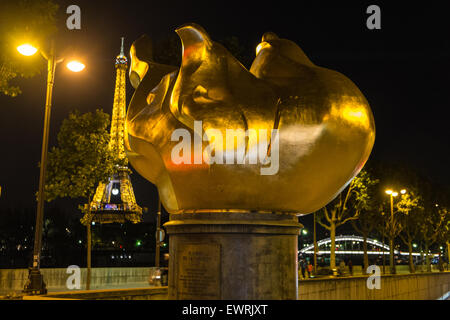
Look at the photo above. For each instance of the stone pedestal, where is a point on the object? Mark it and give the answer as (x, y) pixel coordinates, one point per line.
(233, 255)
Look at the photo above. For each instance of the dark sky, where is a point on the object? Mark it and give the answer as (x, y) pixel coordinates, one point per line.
(402, 69)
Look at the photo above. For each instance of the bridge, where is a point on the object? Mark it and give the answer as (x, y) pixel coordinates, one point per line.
(354, 241)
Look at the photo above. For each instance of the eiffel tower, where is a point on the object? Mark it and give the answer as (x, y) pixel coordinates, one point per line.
(114, 202)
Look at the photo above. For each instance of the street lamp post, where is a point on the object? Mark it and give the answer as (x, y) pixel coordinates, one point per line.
(35, 283)
(392, 194)
(315, 246)
(302, 239)
(158, 233)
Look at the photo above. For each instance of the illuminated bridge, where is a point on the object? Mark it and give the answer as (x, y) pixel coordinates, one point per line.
(352, 245)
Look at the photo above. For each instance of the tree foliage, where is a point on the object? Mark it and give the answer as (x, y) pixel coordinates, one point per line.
(349, 204)
(407, 203)
(347, 207)
(23, 21)
(82, 158)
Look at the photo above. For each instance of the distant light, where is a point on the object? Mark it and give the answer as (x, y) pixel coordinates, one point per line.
(138, 243)
(93, 223)
(403, 191)
(436, 205)
(414, 245)
(26, 49)
(304, 231)
(389, 191)
(75, 66)
(79, 241)
(115, 191)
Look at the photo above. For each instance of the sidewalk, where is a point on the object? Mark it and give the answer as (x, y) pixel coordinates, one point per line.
(132, 285)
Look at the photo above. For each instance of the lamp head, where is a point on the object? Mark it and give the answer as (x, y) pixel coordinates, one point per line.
(27, 49)
(75, 66)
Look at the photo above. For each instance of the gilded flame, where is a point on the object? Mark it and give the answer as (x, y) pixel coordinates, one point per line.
(325, 125)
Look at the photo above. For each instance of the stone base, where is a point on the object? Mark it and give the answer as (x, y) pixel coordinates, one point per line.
(233, 255)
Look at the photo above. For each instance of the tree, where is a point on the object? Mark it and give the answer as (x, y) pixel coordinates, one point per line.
(393, 222)
(434, 229)
(434, 220)
(410, 222)
(82, 158)
(369, 215)
(346, 207)
(22, 21)
(444, 233)
(80, 162)
(367, 221)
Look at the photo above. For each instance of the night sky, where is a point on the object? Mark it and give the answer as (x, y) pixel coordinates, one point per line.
(402, 69)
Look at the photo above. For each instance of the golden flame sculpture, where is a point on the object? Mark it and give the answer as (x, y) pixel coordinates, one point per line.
(312, 124)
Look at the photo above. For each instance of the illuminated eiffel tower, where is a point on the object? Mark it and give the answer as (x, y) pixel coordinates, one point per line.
(114, 201)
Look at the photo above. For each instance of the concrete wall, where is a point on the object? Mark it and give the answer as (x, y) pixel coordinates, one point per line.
(419, 286)
(13, 280)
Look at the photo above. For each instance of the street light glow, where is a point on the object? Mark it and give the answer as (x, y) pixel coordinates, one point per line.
(403, 191)
(304, 232)
(394, 194)
(389, 191)
(26, 49)
(75, 66)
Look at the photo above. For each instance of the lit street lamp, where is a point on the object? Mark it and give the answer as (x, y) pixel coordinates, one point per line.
(392, 194)
(35, 283)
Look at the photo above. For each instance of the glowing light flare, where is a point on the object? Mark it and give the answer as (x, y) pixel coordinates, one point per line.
(26, 49)
(115, 191)
(75, 66)
(403, 191)
(389, 191)
(394, 194)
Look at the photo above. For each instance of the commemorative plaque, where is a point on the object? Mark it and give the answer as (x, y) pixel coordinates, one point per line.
(199, 271)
